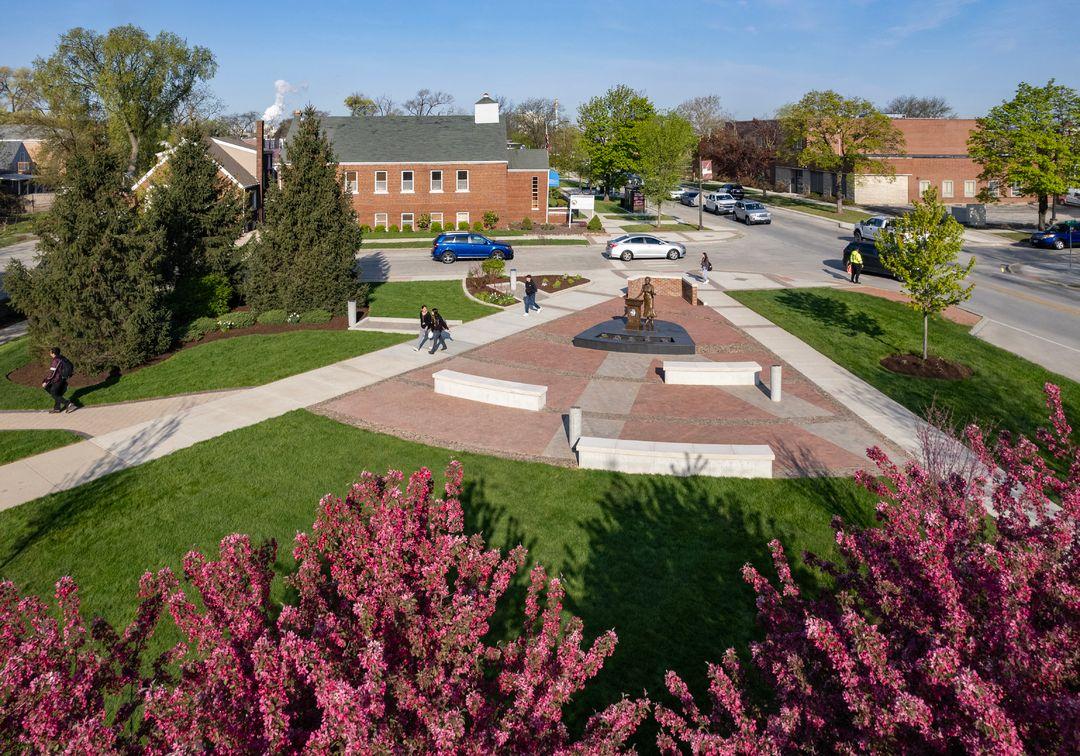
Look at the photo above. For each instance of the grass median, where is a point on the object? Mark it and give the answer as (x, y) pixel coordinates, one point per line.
(402, 299)
(656, 558)
(16, 444)
(857, 330)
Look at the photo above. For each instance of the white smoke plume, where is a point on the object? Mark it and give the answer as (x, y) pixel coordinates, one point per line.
(274, 114)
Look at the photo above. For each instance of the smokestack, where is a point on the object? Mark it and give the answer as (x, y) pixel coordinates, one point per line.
(260, 169)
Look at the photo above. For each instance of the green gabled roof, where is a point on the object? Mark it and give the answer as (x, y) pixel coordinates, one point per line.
(402, 139)
(528, 160)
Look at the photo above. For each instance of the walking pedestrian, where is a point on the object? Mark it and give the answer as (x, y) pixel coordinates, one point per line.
(425, 328)
(706, 266)
(530, 296)
(55, 383)
(440, 329)
(855, 261)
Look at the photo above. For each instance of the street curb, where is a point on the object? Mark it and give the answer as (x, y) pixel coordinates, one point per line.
(810, 216)
(983, 322)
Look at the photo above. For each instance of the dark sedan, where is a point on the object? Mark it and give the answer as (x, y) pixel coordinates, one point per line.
(449, 247)
(870, 258)
(1057, 236)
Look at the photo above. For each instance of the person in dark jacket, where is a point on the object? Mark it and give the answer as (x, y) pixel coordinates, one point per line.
(425, 328)
(440, 329)
(55, 383)
(530, 295)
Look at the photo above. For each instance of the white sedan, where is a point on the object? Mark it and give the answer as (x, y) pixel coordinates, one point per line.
(634, 246)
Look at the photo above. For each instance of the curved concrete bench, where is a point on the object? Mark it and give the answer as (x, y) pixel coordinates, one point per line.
(663, 458)
(711, 373)
(490, 390)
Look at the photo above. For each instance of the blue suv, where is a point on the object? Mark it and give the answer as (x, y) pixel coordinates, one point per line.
(1057, 236)
(468, 246)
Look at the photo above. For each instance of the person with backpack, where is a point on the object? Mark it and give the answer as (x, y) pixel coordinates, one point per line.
(530, 295)
(706, 266)
(55, 383)
(440, 329)
(425, 328)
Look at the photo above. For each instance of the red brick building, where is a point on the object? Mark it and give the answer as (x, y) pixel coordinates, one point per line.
(452, 168)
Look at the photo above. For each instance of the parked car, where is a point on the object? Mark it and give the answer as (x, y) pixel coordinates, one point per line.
(719, 203)
(1057, 236)
(633, 246)
(449, 247)
(690, 198)
(676, 194)
(870, 228)
(735, 190)
(751, 212)
(1072, 197)
(870, 258)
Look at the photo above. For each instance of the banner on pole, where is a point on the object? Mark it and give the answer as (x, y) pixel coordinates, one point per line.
(706, 169)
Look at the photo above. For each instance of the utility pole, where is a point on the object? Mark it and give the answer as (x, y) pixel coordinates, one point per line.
(700, 195)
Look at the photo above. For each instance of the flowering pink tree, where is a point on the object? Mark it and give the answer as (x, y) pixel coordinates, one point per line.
(383, 650)
(949, 628)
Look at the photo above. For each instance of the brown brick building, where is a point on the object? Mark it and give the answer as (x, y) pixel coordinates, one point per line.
(935, 155)
(452, 168)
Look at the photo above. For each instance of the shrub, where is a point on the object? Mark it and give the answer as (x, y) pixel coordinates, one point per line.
(423, 222)
(478, 227)
(200, 327)
(500, 300)
(557, 283)
(365, 228)
(526, 224)
(494, 267)
(436, 227)
(292, 317)
(393, 228)
(380, 227)
(491, 219)
(363, 294)
(595, 224)
(315, 316)
(232, 320)
(463, 226)
(271, 317)
(367, 654)
(206, 296)
(547, 226)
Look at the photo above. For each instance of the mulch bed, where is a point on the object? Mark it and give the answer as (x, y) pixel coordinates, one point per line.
(476, 288)
(546, 283)
(932, 367)
(32, 373)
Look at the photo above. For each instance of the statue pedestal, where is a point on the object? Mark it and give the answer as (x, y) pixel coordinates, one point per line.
(632, 313)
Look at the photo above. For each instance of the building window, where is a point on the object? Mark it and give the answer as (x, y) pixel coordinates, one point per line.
(407, 182)
(535, 192)
(923, 186)
(436, 181)
(463, 218)
(407, 221)
(969, 188)
(380, 182)
(946, 189)
(463, 181)
(23, 166)
(352, 183)
(992, 188)
(1015, 191)
(436, 218)
(380, 220)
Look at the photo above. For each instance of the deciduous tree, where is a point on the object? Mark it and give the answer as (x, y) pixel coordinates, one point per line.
(17, 87)
(831, 132)
(236, 125)
(607, 126)
(426, 102)
(1032, 141)
(383, 650)
(953, 626)
(137, 83)
(359, 104)
(912, 106)
(534, 121)
(665, 145)
(306, 254)
(920, 248)
(97, 289)
(704, 113)
(746, 154)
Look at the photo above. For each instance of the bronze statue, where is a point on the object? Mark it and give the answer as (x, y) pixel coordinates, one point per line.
(648, 312)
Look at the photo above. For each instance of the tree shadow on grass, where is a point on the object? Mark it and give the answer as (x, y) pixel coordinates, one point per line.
(833, 314)
(110, 380)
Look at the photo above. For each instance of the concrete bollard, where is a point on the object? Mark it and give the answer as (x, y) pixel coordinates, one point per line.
(573, 430)
(774, 382)
(352, 313)
(513, 280)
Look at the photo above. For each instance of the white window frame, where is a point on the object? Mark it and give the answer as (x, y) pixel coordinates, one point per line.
(411, 221)
(458, 219)
(432, 184)
(948, 188)
(412, 182)
(971, 187)
(384, 222)
(923, 186)
(352, 186)
(436, 218)
(1014, 190)
(385, 182)
(457, 181)
(994, 188)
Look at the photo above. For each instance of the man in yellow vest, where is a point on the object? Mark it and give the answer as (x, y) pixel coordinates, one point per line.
(855, 262)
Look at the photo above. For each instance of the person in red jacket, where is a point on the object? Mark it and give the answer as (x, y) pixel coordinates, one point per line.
(55, 383)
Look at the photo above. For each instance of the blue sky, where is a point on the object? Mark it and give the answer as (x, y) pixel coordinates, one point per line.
(755, 54)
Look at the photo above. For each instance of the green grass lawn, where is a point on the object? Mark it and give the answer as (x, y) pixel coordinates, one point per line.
(17, 444)
(12, 233)
(813, 208)
(656, 558)
(858, 330)
(551, 241)
(402, 299)
(649, 227)
(228, 363)
(1021, 236)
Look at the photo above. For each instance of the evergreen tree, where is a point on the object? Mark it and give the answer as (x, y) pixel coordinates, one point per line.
(306, 254)
(97, 290)
(199, 212)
